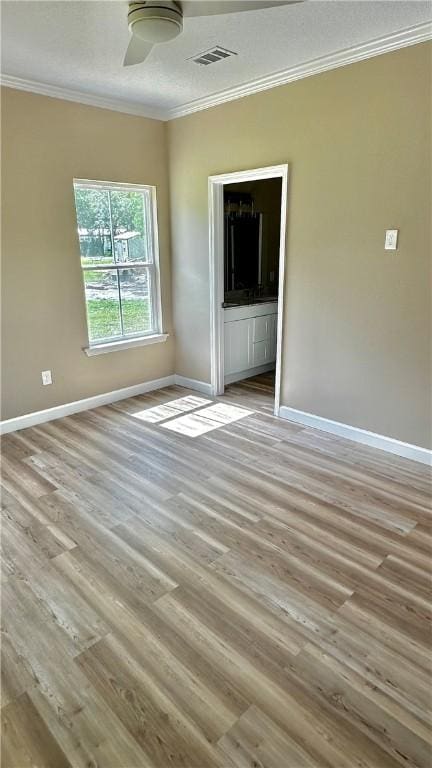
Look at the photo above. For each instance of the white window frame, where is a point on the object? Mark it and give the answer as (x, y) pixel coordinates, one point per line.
(156, 334)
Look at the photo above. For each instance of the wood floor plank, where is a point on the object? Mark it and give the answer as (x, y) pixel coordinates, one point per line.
(182, 569)
(328, 740)
(26, 739)
(136, 626)
(256, 597)
(16, 673)
(89, 733)
(371, 710)
(256, 742)
(45, 537)
(170, 730)
(382, 667)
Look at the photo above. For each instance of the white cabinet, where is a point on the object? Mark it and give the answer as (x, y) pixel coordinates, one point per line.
(238, 346)
(261, 353)
(250, 338)
(264, 340)
(273, 337)
(262, 328)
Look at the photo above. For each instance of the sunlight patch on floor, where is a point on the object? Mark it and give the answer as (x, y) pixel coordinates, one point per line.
(170, 409)
(206, 419)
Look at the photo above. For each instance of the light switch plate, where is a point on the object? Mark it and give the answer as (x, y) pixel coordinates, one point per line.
(46, 377)
(391, 238)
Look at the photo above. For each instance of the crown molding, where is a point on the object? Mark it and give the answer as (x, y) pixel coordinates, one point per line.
(410, 36)
(90, 99)
(418, 33)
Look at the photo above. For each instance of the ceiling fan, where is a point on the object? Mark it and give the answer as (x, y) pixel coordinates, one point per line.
(158, 21)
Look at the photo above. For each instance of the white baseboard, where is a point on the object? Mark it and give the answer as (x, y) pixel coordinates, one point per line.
(200, 386)
(389, 444)
(231, 378)
(408, 451)
(49, 414)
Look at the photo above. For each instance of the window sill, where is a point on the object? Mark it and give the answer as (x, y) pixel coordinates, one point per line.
(116, 346)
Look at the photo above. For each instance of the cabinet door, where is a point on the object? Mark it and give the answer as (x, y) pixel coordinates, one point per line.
(238, 344)
(261, 353)
(273, 337)
(262, 328)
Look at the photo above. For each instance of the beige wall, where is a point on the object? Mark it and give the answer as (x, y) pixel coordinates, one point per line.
(357, 321)
(45, 144)
(356, 341)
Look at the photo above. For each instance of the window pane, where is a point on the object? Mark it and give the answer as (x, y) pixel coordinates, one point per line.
(115, 226)
(103, 306)
(94, 228)
(136, 300)
(129, 222)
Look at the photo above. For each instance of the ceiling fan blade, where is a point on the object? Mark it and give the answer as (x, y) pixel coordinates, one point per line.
(137, 51)
(215, 7)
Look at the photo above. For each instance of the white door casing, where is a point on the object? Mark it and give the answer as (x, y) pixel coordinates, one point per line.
(216, 254)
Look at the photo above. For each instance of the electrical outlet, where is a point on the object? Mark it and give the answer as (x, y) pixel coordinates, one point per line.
(46, 377)
(391, 238)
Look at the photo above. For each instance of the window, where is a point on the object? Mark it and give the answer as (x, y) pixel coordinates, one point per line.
(117, 230)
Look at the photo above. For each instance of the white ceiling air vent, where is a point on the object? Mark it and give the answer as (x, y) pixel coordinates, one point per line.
(212, 56)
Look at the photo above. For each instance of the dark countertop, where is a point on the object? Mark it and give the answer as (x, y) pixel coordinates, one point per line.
(249, 302)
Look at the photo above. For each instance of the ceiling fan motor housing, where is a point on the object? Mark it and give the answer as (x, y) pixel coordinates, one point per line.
(155, 22)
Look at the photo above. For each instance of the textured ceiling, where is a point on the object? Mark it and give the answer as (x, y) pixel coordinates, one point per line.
(80, 45)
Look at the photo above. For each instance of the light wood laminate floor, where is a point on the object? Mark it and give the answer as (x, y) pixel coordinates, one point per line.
(256, 597)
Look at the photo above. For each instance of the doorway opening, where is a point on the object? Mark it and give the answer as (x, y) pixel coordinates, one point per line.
(247, 257)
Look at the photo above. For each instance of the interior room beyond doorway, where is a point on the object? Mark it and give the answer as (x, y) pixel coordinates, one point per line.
(252, 219)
